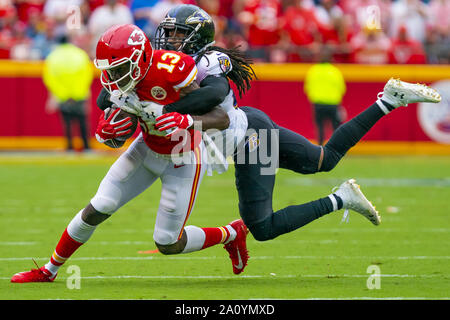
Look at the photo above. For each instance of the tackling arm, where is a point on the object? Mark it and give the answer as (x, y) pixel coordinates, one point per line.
(200, 100)
(217, 118)
(194, 100)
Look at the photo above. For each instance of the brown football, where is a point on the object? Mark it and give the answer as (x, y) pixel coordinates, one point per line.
(119, 142)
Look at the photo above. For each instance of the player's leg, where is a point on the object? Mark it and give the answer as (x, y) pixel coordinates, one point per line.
(255, 189)
(255, 193)
(179, 191)
(126, 179)
(180, 185)
(255, 204)
(298, 154)
(396, 93)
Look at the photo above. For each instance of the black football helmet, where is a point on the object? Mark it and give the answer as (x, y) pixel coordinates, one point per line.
(186, 28)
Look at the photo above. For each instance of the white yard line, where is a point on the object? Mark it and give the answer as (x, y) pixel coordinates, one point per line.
(18, 243)
(268, 276)
(185, 257)
(253, 242)
(359, 298)
(371, 182)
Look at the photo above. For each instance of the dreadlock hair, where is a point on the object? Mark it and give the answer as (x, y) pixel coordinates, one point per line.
(242, 72)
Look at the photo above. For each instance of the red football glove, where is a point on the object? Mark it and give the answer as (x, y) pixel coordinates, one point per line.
(172, 122)
(111, 129)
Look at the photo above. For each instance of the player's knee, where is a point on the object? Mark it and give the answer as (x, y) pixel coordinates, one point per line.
(327, 166)
(164, 240)
(167, 249)
(105, 205)
(260, 233)
(168, 242)
(330, 159)
(92, 217)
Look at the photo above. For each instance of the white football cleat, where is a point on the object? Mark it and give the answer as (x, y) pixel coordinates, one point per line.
(400, 93)
(353, 199)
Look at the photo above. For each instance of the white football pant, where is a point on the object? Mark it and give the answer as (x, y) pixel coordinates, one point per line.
(137, 169)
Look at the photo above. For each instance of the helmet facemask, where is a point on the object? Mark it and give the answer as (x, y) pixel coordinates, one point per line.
(122, 74)
(177, 37)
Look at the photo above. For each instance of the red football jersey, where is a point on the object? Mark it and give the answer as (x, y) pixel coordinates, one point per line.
(170, 71)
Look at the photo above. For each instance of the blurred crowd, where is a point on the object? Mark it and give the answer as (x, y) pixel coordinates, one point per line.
(355, 31)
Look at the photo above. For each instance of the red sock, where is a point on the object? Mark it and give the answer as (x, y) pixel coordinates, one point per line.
(215, 236)
(65, 248)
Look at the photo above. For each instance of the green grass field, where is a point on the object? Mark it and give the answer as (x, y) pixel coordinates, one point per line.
(326, 259)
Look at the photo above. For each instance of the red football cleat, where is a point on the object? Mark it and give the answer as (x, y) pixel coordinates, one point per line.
(35, 275)
(237, 248)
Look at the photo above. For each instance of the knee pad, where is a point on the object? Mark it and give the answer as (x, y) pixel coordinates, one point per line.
(257, 216)
(261, 231)
(164, 237)
(105, 204)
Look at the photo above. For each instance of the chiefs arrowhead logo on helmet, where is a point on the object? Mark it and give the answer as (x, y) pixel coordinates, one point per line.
(136, 37)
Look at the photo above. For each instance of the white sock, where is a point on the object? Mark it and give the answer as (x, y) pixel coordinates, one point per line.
(334, 202)
(52, 268)
(79, 230)
(382, 106)
(233, 233)
(195, 239)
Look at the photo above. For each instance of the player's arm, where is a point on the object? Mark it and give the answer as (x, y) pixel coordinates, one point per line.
(217, 118)
(197, 100)
(103, 101)
(172, 122)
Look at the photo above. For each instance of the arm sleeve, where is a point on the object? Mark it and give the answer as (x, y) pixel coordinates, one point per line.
(213, 90)
(103, 100)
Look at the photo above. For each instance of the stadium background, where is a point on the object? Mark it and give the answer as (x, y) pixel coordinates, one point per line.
(371, 41)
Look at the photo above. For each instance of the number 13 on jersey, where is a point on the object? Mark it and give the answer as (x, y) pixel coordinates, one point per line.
(171, 58)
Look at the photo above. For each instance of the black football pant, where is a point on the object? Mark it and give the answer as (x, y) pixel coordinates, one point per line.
(255, 181)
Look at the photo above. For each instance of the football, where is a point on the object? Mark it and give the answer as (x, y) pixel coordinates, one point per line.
(120, 141)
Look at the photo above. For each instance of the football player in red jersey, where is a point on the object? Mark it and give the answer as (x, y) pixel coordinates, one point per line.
(127, 62)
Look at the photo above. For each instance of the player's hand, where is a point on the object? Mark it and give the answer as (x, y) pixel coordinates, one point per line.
(151, 110)
(110, 129)
(172, 122)
(129, 102)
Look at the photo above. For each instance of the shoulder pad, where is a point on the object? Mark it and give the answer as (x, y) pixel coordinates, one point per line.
(213, 63)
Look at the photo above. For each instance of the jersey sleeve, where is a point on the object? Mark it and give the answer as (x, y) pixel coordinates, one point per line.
(213, 64)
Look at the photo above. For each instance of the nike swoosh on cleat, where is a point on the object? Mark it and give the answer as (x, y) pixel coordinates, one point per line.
(240, 264)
